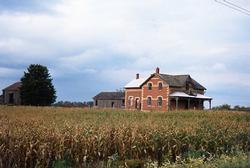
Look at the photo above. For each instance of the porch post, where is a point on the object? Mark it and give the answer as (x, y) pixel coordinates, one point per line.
(188, 103)
(200, 107)
(176, 103)
(210, 104)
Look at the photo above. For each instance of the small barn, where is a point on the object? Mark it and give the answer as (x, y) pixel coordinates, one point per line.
(11, 94)
(1, 99)
(109, 100)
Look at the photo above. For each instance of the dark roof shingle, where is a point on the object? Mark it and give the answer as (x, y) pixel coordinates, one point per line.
(14, 87)
(180, 81)
(110, 96)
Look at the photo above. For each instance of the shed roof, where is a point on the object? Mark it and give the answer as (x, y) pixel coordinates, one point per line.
(110, 96)
(14, 87)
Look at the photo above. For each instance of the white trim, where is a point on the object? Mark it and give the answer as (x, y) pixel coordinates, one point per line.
(131, 99)
(125, 99)
(142, 94)
(138, 98)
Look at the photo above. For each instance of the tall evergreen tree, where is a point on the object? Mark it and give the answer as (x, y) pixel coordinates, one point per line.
(37, 88)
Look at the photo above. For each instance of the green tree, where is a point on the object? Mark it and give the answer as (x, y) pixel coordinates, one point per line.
(222, 107)
(37, 88)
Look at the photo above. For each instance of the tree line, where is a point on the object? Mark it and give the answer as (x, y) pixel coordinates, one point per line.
(229, 107)
(73, 104)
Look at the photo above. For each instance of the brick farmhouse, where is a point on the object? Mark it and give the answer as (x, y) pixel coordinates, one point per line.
(162, 92)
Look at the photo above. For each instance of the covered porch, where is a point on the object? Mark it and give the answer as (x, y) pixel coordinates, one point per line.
(181, 100)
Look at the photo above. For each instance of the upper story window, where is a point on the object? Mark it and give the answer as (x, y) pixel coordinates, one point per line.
(159, 101)
(160, 86)
(149, 101)
(149, 86)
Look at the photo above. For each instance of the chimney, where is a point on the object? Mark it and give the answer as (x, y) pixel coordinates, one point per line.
(137, 76)
(157, 70)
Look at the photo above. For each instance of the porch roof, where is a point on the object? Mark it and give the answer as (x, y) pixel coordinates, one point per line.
(182, 94)
(200, 96)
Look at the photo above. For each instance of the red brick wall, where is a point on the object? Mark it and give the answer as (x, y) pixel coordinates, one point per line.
(134, 94)
(154, 94)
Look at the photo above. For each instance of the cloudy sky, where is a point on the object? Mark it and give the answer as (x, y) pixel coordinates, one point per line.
(95, 45)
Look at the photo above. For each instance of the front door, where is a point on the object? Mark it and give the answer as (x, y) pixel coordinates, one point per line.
(137, 104)
(11, 98)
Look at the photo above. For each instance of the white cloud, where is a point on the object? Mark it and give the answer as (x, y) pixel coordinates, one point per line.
(90, 36)
(9, 72)
(135, 28)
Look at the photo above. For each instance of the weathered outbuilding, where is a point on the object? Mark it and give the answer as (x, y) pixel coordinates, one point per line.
(109, 100)
(11, 94)
(1, 99)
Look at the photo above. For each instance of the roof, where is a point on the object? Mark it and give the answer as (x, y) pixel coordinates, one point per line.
(110, 96)
(14, 87)
(182, 94)
(200, 96)
(171, 80)
(136, 83)
(180, 81)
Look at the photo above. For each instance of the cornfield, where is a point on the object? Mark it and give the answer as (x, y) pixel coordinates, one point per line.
(74, 137)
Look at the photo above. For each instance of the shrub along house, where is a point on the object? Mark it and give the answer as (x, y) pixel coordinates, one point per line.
(109, 100)
(164, 92)
(11, 94)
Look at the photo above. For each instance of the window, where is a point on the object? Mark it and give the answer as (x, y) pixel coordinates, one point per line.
(159, 101)
(137, 103)
(130, 101)
(149, 86)
(149, 101)
(160, 86)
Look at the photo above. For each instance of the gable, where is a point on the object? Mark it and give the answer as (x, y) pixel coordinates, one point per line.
(151, 77)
